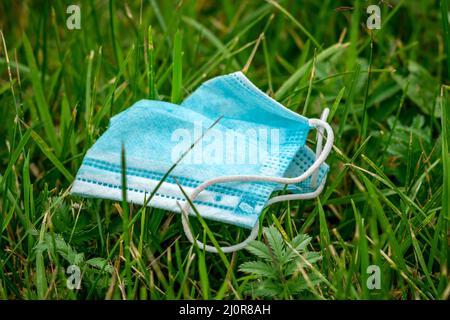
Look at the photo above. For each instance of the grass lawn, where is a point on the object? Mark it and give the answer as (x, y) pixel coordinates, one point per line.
(380, 229)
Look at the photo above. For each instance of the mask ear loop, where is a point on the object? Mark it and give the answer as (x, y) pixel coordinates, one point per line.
(318, 124)
(319, 144)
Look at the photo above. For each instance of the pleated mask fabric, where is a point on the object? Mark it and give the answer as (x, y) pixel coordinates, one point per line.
(237, 130)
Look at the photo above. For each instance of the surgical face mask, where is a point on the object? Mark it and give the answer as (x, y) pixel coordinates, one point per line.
(246, 146)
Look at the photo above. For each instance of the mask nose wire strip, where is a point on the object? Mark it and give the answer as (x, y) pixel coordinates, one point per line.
(318, 124)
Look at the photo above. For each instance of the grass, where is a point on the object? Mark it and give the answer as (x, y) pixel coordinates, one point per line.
(386, 202)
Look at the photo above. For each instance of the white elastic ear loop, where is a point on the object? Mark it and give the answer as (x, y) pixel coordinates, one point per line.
(323, 117)
(318, 123)
(254, 233)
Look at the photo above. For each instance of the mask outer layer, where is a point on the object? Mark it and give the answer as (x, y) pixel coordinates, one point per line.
(151, 132)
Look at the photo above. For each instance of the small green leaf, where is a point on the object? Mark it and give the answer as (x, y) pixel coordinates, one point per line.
(275, 240)
(259, 249)
(421, 87)
(100, 263)
(258, 268)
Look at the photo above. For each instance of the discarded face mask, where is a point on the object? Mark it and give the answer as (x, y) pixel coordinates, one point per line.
(233, 146)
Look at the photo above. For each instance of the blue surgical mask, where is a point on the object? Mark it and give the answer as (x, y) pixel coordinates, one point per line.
(246, 146)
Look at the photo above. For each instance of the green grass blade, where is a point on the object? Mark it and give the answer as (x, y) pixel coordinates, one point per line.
(296, 22)
(445, 209)
(15, 155)
(112, 25)
(203, 273)
(292, 81)
(325, 240)
(44, 109)
(384, 222)
(41, 279)
(109, 101)
(365, 118)
(126, 225)
(336, 103)
(88, 95)
(177, 78)
(446, 33)
(151, 64)
(51, 156)
(363, 251)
